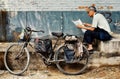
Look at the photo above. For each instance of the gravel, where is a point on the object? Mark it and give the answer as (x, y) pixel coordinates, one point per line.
(105, 72)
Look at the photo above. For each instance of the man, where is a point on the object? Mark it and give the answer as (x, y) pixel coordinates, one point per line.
(99, 29)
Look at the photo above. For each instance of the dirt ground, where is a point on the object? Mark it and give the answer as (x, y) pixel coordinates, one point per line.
(111, 72)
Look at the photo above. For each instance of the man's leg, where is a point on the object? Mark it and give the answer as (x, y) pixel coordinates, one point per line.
(88, 38)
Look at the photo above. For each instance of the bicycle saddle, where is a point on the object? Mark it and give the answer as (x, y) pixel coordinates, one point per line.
(57, 34)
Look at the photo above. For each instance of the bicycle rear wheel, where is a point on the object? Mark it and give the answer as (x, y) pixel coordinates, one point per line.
(73, 68)
(16, 59)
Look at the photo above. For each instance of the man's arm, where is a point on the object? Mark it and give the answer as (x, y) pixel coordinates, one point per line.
(87, 24)
(92, 26)
(87, 27)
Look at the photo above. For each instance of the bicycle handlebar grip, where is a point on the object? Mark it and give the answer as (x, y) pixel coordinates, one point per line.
(41, 31)
(28, 28)
(38, 31)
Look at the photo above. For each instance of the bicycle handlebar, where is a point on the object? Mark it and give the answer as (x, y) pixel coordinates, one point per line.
(30, 30)
(37, 31)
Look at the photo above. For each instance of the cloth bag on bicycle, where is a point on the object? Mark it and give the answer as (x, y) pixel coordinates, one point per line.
(69, 53)
(69, 50)
(43, 46)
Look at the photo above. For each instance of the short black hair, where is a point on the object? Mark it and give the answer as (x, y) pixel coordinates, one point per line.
(93, 8)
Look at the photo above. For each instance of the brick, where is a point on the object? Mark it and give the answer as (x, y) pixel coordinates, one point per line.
(57, 5)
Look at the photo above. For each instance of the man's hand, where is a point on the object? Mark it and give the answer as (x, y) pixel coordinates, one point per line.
(87, 24)
(86, 27)
(81, 26)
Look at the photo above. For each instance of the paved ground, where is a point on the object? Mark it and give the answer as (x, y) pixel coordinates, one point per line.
(53, 73)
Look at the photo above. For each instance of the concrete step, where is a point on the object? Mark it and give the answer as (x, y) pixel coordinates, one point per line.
(109, 54)
(98, 59)
(112, 46)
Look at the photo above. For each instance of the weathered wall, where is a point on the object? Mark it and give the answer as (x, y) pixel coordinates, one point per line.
(57, 5)
(57, 21)
(3, 24)
(54, 15)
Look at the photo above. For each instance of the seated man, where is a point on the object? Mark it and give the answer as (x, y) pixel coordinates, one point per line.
(99, 29)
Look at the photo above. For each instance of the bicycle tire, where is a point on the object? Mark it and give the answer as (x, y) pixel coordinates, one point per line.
(17, 65)
(60, 56)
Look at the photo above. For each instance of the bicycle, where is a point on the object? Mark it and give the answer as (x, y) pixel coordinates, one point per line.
(17, 56)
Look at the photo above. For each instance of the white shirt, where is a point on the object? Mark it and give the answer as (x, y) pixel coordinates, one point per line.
(100, 21)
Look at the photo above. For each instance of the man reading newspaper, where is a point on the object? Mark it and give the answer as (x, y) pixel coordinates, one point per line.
(99, 29)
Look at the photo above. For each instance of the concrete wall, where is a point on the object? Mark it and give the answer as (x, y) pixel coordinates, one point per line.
(54, 15)
(53, 21)
(57, 5)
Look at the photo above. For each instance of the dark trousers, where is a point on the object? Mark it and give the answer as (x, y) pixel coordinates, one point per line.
(89, 36)
(98, 33)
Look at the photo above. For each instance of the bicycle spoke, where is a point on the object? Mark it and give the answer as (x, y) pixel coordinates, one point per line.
(72, 67)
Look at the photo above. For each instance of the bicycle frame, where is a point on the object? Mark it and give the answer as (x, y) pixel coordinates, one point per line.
(49, 59)
(56, 55)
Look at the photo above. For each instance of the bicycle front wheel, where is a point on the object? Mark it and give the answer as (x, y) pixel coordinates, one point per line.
(16, 59)
(71, 68)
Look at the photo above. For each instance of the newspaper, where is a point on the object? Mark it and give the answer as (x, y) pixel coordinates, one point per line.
(79, 22)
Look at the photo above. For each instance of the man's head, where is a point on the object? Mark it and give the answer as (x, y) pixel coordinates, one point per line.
(91, 11)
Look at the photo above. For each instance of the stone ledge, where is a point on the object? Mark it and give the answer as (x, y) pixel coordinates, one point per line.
(102, 61)
(5, 45)
(111, 46)
(97, 59)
